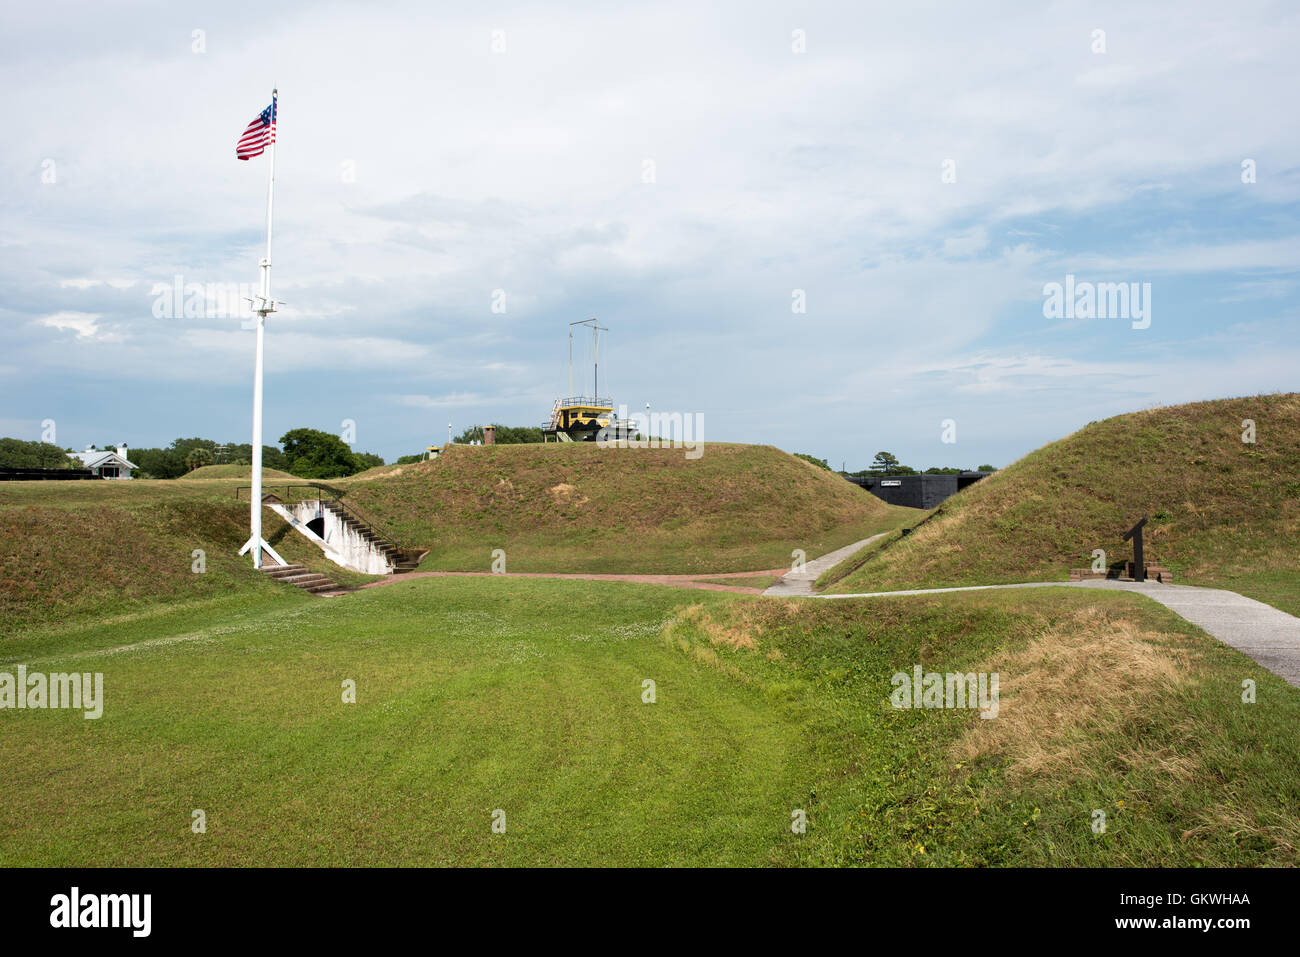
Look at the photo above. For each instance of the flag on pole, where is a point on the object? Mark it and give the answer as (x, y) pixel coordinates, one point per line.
(259, 135)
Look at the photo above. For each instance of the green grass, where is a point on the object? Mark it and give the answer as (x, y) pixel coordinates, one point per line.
(472, 696)
(906, 518)
(72, 552)
(223, 688)
(269, 476)
(1108, 702)
(1221, 512)
(76, 551)
(578, 508)
(526, 695)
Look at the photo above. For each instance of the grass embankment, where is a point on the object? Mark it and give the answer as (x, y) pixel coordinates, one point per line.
(579, 508)
(239, 472)
(1221, 511)
(481, 694)
(1107, 703)
(75, 550)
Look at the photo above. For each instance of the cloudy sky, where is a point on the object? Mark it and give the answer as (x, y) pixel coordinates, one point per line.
(687, 173)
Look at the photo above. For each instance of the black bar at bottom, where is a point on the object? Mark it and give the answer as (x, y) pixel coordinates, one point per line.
(944, 907)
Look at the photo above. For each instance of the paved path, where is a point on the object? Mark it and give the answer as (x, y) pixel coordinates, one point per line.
(801, 582)
(1268, 635)
(680, 581)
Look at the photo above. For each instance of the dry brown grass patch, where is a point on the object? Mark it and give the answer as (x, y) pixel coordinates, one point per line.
(743, 624)
(1072, 686)
(1278, 828)
(565, 493)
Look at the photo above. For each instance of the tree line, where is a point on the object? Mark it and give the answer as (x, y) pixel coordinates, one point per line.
(506, 435)
(886, 463)
(306, 453)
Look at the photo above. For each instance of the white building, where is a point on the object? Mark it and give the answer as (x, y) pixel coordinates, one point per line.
(106, 463)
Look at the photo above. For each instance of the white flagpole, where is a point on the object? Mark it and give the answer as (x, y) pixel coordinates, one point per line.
(255, 541)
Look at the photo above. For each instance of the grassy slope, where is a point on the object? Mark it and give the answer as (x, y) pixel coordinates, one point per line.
(526, 695)
(1108, 702)
(74, 550)
(578, 508)
(1221, 512)
(238, 472)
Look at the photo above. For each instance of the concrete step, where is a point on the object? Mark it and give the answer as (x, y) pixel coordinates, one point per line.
(325, 585)
(306, 578)
(300, 577)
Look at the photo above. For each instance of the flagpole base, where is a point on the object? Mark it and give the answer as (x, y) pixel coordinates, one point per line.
(257, 556)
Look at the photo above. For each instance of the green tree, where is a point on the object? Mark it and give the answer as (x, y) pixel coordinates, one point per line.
(311, 453)
(242, 453)
(886, 463)
(183, 447)
(986, 468)
(157, 463)
(18, 453)
(197, 457)
(506, 434)
(170, 462)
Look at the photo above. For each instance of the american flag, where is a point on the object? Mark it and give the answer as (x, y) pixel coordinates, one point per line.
(259, 135)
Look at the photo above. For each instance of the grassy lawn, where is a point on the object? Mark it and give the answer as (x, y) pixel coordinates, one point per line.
(471, 696)
(526, 696)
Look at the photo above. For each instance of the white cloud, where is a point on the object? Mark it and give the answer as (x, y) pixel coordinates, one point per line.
(968, 243)
(456, 400)
(84, 324)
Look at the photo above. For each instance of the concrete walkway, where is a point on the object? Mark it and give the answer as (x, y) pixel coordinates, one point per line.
(801, 582)
(1268, 635)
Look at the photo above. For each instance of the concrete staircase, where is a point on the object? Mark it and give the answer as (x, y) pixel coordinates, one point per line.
(402, 559)
(300, 577)
(408, 560)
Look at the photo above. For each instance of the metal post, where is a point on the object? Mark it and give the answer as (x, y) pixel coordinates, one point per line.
(1139, 559)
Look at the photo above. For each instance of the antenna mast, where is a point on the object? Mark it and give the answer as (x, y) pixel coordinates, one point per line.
(595, 365)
